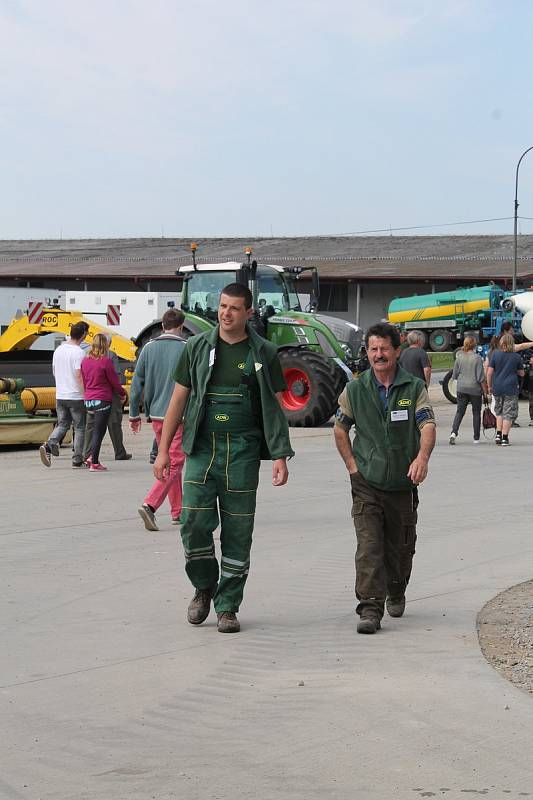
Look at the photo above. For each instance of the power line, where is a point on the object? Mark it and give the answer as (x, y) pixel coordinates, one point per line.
(437, 225)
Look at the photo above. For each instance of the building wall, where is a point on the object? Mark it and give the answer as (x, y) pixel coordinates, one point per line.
(374, 298)
(98, 284)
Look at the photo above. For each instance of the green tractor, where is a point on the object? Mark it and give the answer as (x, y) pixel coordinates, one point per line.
(318, 353)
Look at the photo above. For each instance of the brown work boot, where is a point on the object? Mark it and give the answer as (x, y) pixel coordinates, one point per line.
(199, 606)
(228, 622)
(368, 625)
(396, 606)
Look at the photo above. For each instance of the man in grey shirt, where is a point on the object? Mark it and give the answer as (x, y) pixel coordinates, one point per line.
(414, 359)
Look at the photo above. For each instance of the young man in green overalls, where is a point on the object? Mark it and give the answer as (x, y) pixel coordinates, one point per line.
(228, 383)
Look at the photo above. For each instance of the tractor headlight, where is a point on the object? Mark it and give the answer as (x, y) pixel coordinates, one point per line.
(345, 347)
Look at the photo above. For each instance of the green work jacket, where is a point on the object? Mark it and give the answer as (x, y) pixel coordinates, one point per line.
(384, 447)
(276, 442)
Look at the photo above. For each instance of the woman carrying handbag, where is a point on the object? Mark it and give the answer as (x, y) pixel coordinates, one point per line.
(471, 386)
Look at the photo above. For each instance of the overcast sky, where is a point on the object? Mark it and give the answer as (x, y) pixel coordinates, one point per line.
(286, 117)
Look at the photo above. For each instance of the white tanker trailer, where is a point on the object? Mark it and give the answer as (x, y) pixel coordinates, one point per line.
(522, 302)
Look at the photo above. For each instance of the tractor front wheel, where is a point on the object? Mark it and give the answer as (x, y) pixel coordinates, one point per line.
(311, 395)
(449, 387)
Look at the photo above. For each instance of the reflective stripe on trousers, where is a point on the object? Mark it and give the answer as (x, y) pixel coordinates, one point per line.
(219, 486)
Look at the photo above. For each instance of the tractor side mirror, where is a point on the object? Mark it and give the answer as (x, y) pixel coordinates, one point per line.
(316, 291)
(267, 311)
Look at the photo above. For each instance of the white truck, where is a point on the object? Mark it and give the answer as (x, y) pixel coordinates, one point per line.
(14, 301)
(137, 309)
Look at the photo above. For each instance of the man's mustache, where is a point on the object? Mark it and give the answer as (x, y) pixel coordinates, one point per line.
(380, 360)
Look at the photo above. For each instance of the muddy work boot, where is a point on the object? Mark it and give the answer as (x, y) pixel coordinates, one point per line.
(228, 622)
(199, 607)
(396, 606)
(368, 625)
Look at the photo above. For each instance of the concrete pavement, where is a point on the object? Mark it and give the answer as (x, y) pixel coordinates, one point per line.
(108, 694)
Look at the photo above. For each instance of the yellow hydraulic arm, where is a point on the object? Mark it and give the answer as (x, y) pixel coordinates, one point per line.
(22, 333)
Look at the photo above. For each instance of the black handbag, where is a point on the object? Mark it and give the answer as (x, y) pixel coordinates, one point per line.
(488, 420)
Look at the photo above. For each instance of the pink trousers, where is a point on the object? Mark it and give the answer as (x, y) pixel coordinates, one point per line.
(172, 485)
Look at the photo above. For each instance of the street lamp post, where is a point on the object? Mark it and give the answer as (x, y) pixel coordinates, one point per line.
(516, 218)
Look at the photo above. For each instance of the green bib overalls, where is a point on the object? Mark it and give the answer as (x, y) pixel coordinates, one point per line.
(225, 467)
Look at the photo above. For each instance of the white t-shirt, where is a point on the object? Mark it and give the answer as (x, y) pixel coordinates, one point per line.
(65, 363)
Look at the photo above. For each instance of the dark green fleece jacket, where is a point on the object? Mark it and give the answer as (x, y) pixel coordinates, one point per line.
(386, 442)
(276, 442)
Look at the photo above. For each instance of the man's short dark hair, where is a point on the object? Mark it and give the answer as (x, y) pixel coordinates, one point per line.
(79, 330)
(384, 331)
(172, 318)
(239, 290)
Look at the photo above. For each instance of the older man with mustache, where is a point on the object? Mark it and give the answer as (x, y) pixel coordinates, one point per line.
(394, 437)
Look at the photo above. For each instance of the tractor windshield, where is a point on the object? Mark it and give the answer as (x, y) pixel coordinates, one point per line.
(201, 291)
(277, 290)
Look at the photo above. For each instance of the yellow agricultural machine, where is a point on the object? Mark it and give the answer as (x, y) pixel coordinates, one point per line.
(19, 421)
(21, 333)
(26, 413)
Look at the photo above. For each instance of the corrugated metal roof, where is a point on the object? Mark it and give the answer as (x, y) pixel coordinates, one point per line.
(349, 257)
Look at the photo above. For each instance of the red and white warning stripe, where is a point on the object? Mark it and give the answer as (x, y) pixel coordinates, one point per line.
(113, 315)
(35, 312)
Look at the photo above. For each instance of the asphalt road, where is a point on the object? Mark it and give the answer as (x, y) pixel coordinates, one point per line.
(108, 694)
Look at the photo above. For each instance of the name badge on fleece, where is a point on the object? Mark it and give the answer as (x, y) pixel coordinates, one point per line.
(399, 416)
(212, 355)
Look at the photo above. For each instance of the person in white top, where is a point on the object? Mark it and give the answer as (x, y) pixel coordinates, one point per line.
(70, 408)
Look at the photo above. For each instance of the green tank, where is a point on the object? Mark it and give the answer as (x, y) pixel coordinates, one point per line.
(443, 318)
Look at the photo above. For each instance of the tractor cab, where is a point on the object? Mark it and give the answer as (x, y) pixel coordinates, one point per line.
(273, 290)
(318, 353)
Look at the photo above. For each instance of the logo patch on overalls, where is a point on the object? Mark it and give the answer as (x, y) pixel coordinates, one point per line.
(404, 402)
(222, 417)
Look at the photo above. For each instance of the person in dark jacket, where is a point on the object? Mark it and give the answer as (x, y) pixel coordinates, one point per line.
(228, 383)
(414, 359)
(394, 437)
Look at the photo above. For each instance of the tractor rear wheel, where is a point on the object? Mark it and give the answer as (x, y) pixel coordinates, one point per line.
(157, 330)
(312, 387)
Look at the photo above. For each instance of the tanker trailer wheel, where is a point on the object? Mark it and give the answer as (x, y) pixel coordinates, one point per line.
(310, 398)
(449, 387)
(440, 341)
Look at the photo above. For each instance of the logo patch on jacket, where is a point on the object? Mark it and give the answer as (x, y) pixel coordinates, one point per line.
(404, 402)
(242, 365)
(222, 417)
